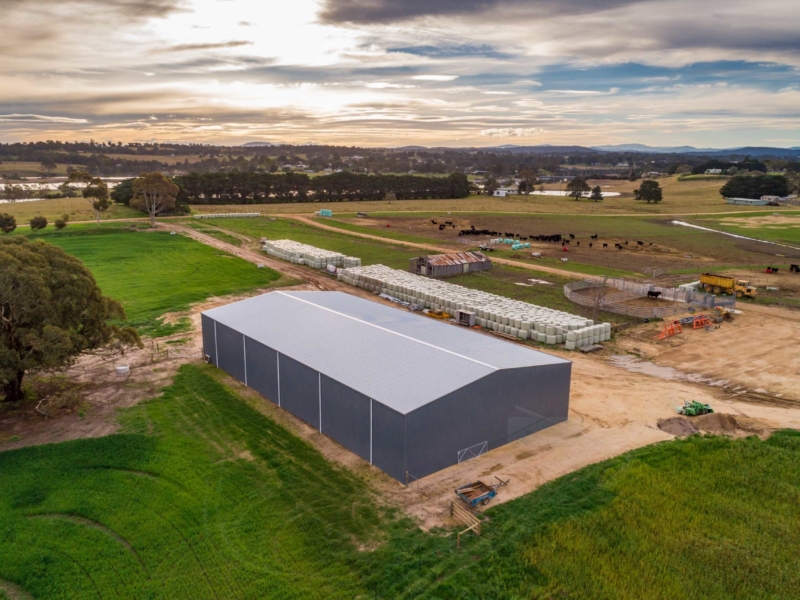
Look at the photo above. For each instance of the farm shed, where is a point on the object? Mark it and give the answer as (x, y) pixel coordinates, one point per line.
(449, 265)
(407, 393)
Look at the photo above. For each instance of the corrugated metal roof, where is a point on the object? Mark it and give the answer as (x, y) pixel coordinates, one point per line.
(401, 359)
(456, 258)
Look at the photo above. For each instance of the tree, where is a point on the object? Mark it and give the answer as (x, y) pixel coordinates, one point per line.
(48, 164)
(650, 191)
(490, 185)
(38, 223)
(577, 188)
(528, 179)
(153, 193)
(597, 193)
(123, 192)
(96, 191)
(62, 222)
(755, 186)
(51, 310)
(7, 223)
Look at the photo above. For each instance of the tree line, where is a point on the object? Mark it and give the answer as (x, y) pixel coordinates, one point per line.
(274, 188)
(749, 186)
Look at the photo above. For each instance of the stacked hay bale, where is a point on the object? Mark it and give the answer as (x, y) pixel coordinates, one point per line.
(511, 317)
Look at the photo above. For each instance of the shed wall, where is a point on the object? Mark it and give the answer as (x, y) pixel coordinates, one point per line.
(230, 345)
(498, 409)
(300, 390)
(388, 441)
(346, 417)
(209, 340)
(262, 369)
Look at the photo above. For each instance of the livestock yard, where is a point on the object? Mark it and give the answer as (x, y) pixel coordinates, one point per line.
(304, 407)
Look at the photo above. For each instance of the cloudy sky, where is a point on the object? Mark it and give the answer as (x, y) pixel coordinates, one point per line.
(716, 73)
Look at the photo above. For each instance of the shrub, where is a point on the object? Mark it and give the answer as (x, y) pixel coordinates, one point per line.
(38, 223)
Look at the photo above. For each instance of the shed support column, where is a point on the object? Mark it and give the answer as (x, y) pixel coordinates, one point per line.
(370, 431)
(216, 351)
(319, 379)
(244, 351)
(278, 358)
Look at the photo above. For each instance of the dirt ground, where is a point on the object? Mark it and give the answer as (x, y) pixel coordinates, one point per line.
(763, 221)
(643, 301)
(748, 369)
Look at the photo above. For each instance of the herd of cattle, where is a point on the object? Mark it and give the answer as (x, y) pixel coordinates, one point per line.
(556, 238)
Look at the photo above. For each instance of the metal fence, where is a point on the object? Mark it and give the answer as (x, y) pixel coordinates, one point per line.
(616, 302)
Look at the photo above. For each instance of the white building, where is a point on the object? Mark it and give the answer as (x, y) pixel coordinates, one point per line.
(505, 191)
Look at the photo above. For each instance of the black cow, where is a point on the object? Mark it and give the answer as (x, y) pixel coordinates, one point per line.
(572, 236)
(590, 244)
(605, 245)
(433, 222)
(626, 242)
(441, 227)
(794, 268)
(640, 243)
(653, 295)
(594, 237)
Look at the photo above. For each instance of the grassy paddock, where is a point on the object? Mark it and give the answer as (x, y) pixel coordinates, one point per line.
(153, 273)
(78, 209)
(680, 197)
(370, 252)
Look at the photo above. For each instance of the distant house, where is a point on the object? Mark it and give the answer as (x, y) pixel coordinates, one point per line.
(505, 191)
(747, 201)
(713, 171)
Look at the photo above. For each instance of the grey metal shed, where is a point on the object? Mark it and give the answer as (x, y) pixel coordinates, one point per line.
(449, 265)
(409, 394)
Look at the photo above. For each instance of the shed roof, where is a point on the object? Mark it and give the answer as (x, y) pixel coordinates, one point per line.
(401, 359)
(456, 258)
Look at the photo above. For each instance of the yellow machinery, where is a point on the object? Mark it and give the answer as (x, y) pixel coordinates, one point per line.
(723, 284)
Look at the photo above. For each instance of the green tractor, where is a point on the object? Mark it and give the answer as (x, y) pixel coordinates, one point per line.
(694, 408)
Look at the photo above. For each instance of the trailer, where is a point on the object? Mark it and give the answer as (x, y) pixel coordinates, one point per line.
(479, 493)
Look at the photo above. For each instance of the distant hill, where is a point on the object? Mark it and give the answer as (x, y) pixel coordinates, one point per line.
(761, 151)
(542, 149)
(257, 144)
(654, 149)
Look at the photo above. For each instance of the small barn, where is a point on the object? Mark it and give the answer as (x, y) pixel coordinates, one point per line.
(407, 393)
(449, 265)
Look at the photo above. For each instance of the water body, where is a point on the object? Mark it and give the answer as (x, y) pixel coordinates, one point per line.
(636, 365)
(558, 193)
(46, 186)
(741, 237)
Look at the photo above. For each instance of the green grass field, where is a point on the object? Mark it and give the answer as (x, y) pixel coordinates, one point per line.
(201, 496)
(153, 273)
(370, 252)
(78, 209)
(211, 230)
(680, 197)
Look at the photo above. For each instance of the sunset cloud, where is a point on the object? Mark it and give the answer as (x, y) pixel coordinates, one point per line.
(382, 72)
